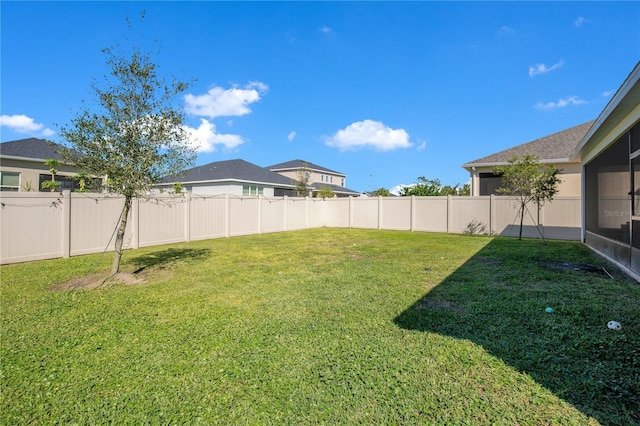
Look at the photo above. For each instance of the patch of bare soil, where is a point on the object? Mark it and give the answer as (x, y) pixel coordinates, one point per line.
(93, 281)
(578, 267)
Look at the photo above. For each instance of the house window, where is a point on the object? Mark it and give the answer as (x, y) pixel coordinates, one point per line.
(66, 183)
(9, 181)
(248, 190)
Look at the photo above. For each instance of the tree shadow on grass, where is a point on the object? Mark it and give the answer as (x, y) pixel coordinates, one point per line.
(163, 259)
(498, 299)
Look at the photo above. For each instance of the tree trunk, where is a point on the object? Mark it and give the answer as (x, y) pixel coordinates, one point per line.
(122, 226)
(522, 207)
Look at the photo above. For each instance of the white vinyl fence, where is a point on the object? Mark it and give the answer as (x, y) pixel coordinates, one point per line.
(39, 225)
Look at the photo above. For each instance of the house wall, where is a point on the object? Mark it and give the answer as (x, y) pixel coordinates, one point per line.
(570, 173)
(49, 225)
(317, 177)
(221, 189)
(30, 171)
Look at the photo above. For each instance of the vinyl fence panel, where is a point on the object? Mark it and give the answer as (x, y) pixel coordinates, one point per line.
(207, 217)
(558, 219)
(37, 226)
(272, 214)
(32, 226)
(336, 212)
(430, 214)
(243, 216)
(395, 213)
(94, 218)
(164, 209)
(469, 215)
(296, 213)
(365, 212)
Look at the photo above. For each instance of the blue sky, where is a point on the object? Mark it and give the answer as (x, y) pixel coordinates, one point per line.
(381, 91)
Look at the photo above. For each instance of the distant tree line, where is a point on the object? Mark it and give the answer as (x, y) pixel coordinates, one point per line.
(433, 188)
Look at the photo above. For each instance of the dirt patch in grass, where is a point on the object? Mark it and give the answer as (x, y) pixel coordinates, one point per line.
(93, 281)
(577, 267)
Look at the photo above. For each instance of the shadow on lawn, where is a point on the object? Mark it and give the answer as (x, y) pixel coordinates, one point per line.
(498, 298)
(165, 258)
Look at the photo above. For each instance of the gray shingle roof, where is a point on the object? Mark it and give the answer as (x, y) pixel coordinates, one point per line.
(557, 146)
(298, 164)
(335, 188)
(231, 170)
(32, 148)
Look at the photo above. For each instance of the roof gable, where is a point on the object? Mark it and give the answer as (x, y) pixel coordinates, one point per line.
(301, 164)
(31, 148)
(231, 170)
(558, 146)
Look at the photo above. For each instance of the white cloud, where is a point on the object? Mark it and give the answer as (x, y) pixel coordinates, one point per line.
(608, 93)
(581, 20)
(326, 30)
(572, 100)
(204, 138)
(23, 124)
(219, 102)
(543, 69)
(506, 30)
(422, 146)
(291, 136)
(369, 133)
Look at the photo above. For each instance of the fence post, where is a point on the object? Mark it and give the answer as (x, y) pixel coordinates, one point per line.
(187, 218)
(66, 223)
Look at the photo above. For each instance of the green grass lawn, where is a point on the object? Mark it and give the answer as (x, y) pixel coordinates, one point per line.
(324, 326)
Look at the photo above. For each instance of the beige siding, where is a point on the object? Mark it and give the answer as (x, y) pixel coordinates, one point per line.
(316, 177)
(30, 171)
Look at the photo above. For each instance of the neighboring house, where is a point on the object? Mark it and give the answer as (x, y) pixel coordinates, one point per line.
(22, 166)
(234, 177)
(610, 158)
(556, 149)
(319, 177)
